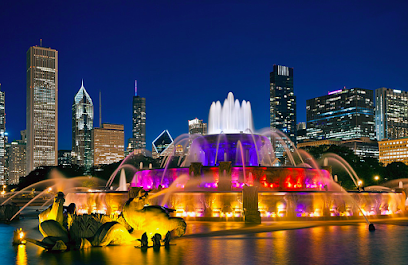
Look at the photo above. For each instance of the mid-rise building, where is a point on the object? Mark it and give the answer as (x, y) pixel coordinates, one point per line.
(3, 137)
(343, 114)
(161, 144)
(82, 125)
(395, 150)
(17, 161)
(283, 101)
(138, 140)
(65, 158)
(42, 107)
(301, 134)
(108, 144)
(197, 126)
(391, 113)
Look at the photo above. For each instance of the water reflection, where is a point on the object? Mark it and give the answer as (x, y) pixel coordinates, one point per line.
(21, 255)
(352, 244)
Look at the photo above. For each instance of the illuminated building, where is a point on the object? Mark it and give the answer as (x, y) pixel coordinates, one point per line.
(16, 160)
(395, 150)
(82, 125)
(65, 157)
(161, 144)
(197, 126)
(108, 144)
(391, 113)
(344, 114)
(138, 141)
(3, 137)
(42, 107)
(283, 101)
(301, 135)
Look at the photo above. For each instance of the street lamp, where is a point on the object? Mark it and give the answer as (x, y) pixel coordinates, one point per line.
(359, 182)
(377, 178)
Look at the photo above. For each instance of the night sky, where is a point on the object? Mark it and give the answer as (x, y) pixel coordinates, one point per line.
(187, 54)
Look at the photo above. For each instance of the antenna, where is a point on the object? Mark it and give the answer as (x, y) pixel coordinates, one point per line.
(135, 87)
(100, 110)
(40, 42)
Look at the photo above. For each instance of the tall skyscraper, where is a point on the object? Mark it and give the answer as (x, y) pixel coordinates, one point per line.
(197, 126)
(82, 125)
(283, 101)
(391, 113)
(3, 136)
(108, 144)
(344, 114)
(138, 141)
(42, 107)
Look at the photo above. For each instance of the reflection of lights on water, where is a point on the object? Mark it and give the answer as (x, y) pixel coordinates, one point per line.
(21, 258)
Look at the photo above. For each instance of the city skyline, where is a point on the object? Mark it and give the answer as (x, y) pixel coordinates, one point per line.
(167, 73)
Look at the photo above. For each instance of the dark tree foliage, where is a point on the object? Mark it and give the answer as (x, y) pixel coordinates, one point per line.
(396, 170)
(365, 168)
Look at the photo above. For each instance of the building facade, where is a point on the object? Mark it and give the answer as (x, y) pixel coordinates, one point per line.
(395, 150)
(283, 101)
(161, 144)
(391, 113)
(197, 126)
(65, 157)
(3, 137)
(42, 107)
(138, 140)
(108, 144)
(82, 125)
(343, 114)
(17, 161)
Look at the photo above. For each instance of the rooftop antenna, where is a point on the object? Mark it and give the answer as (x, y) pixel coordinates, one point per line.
(40, 42)
(100, 109)
(135, 87)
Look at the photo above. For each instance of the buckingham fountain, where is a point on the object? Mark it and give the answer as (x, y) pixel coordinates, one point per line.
(234, 173)
(230, 174)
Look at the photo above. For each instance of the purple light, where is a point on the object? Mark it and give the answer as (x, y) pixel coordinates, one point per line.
(335, 91)
(135, 87)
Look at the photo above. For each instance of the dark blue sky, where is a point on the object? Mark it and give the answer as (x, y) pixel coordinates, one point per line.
(187, 54)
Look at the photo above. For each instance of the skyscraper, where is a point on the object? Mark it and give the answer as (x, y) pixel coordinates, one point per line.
(108, 143)
(2, 136)
(283, 101)
(344, 114)
(42, 107)
(17, 160)
(197, 126)
(82, 125)
(391, 113)
(138, 141)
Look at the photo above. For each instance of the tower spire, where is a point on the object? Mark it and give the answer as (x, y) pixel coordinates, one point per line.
(135, 87)
(82, 83)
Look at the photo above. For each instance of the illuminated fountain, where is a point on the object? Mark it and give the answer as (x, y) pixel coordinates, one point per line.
(233, 173)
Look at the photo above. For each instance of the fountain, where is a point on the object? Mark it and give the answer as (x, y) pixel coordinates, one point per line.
(233, 174)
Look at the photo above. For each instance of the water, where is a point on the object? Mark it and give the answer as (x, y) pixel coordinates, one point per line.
(347, 242)
(232, 117)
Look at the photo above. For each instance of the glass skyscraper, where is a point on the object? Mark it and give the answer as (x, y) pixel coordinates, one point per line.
(42, 107)
(283, 101)
(391, 113)
(343, 114)
(138, 141)
(82, 125)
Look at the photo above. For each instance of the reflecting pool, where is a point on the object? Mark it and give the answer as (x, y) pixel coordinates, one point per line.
(300, 242)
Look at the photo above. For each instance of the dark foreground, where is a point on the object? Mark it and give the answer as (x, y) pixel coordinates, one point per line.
(307, 242)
